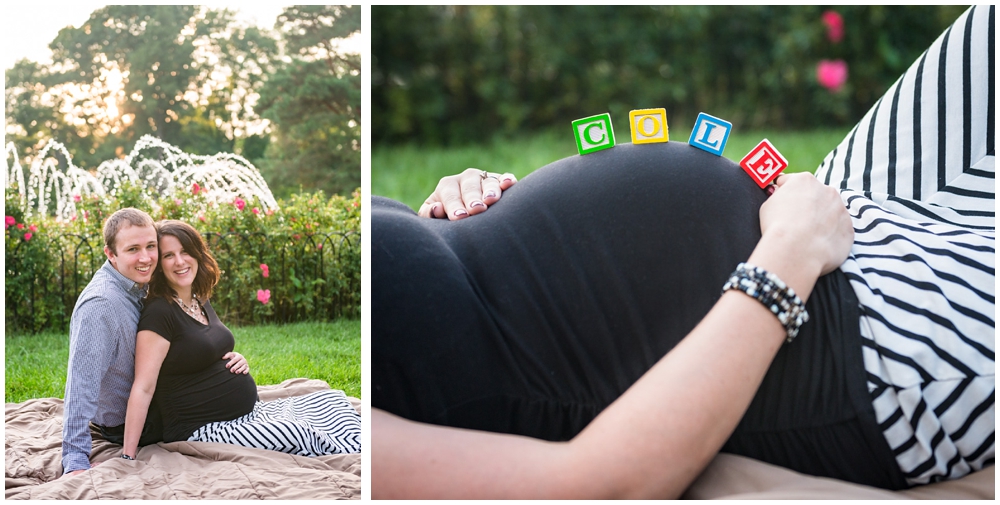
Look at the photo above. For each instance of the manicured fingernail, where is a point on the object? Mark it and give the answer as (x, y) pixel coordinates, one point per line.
(461, 212)
(508, 179)
(770, 189)
(478, 204)
(490, 194)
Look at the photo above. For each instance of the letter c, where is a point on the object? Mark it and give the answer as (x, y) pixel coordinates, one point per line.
(590, 138)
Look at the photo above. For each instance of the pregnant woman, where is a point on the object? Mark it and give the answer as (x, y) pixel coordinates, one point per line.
(597, 332)
(177, 354)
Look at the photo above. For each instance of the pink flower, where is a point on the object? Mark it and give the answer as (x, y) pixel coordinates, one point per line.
(73, 218)
(269, 212)
(33, 228)
(296, 236)
(202, 218)
(319, 246)
(256, 210)
(240, 203)
(834, 26)
(76, 198)
(27, 237)
(195, 188)
(264, 268)
(263, 295)
(178, 201)
(9, 220)
(20, 226)
(831, 74)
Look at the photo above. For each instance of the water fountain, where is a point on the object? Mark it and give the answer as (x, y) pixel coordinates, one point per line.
(160, 168)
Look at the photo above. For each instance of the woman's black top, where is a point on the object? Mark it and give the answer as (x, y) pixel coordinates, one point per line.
(534, 316)
(194, 387)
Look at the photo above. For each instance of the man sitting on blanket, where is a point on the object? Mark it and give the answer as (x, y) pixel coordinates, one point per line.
(102, 335)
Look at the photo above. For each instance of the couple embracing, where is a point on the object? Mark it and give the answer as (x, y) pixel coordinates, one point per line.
(150, 360)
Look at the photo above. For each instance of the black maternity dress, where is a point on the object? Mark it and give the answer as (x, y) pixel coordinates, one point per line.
(534, 316)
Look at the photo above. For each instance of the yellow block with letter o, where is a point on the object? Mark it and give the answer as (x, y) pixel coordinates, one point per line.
(648, 126)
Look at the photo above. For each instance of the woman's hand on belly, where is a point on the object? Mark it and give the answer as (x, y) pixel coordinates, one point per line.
(237, 363)
(465, 194)
(806, 232)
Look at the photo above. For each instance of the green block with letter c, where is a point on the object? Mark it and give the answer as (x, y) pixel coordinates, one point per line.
(594, 133)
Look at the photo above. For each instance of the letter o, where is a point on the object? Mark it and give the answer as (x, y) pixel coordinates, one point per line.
(642, 126)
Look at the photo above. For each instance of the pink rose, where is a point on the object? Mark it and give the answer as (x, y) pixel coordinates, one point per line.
(240, 203)
(319, 246)
(20, 226)
(256, 210)
(263, 295)
(76, 198)
(264, 268)
(8, 221)
(27, 237)
(831, 74)
(834, 26)
(33, 228)
(195, 188)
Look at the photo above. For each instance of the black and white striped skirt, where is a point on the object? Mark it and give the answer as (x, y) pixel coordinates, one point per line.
(917, 175)
(316, 424)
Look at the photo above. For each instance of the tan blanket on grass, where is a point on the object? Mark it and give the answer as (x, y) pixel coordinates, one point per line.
(176, 470)
(732, 477)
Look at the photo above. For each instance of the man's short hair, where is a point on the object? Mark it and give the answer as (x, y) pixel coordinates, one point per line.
(123, 218)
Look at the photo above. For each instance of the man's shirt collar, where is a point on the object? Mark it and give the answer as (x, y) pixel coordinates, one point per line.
(127, 285)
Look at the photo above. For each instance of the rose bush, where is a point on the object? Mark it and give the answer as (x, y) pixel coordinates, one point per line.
(306, 255)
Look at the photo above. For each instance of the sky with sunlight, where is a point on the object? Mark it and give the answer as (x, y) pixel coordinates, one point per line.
(39, 22)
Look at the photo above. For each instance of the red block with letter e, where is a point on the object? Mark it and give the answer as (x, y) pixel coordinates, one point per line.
(764, 163)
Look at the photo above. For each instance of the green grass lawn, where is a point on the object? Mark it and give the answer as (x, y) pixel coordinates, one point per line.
(36, 364)
(410, 173)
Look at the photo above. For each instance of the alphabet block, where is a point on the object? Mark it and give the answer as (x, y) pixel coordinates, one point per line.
(594, 133)
(648, 126)
(710, 133)
(764, 163)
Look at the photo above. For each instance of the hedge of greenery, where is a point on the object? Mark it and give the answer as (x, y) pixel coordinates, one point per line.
(300, 262)
(453, 74)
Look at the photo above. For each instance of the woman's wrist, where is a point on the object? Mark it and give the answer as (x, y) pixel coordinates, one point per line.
(781, 255)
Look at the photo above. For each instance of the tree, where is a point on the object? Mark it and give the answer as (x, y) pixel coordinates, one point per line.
(314, 103)
(185, 74)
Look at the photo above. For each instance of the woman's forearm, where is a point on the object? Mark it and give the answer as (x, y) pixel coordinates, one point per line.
(135, 419)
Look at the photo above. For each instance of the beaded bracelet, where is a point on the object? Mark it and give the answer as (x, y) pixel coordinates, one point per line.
(768, 289)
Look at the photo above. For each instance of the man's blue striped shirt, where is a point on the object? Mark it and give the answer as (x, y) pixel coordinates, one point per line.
(101, 361)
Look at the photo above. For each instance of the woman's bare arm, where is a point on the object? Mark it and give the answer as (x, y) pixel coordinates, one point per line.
(150, 350)
(659, 435)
